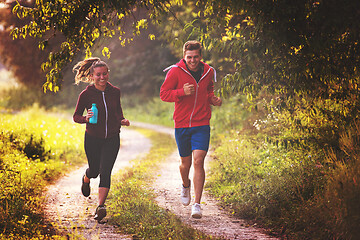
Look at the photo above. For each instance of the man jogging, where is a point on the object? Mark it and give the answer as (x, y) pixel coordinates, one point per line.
(190, 85)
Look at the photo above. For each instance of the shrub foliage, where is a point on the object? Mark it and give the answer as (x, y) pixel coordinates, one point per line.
(298, 175)
(33, 152)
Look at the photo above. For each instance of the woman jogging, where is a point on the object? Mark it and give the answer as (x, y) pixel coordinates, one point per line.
(102, 140)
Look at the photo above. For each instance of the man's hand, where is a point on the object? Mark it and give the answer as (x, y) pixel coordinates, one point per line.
(189, 89)
(216, 101)
(125, 122)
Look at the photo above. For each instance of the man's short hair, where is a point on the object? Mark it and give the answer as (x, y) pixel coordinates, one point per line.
(192, 45)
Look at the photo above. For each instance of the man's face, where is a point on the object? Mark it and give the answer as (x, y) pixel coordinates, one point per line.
(192, 59)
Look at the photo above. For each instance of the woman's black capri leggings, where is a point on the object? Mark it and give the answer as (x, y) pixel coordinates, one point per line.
(101, 155)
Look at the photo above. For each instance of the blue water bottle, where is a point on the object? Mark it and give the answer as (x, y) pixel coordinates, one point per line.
(93, 119)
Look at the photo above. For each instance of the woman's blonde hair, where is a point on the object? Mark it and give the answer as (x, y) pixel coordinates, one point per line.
(86, 67)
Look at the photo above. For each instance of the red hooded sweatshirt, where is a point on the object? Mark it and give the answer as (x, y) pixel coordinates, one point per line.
(193, 110)
(109, 108)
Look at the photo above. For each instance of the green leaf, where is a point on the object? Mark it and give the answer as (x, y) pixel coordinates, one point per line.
(106, 52)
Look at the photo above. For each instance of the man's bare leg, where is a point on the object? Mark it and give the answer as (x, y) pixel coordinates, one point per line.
(199, 173)
(185, 169)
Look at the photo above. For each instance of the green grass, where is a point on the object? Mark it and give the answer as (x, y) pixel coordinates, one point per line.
(266, 169)
(35, 149)
(153, 111)
(300, 180)
(264, 182)
(135, 211)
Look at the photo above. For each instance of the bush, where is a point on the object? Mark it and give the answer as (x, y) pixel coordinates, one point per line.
(297, 173)
(28, 143)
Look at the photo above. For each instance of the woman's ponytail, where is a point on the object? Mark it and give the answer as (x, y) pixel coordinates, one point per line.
(86, 67)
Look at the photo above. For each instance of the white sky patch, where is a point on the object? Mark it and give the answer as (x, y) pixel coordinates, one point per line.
(7, 79)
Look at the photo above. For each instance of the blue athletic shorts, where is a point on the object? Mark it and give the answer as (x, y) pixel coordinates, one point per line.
(193, 138)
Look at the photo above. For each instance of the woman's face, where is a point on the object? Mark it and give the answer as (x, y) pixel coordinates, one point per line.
(100, 77)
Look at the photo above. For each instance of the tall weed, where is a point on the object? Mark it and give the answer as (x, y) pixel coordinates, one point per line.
(342, 192)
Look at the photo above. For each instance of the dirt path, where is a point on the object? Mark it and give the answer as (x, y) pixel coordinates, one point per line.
(71, 212)
(215, 221)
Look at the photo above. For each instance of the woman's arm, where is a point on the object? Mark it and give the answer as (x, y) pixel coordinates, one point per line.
(79, 111)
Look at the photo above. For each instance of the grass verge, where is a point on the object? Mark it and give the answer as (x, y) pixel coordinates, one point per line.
(299, 178)
(35, 149)
(135, 210)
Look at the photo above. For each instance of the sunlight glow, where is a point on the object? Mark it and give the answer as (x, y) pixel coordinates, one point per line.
(3, 5)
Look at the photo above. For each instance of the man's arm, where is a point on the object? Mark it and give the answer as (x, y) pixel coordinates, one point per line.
(169, 91)
(216, 101)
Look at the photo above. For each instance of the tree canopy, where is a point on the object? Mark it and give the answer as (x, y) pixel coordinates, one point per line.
(293, 45)
(284, 46)
(81, 23)
(22, 56)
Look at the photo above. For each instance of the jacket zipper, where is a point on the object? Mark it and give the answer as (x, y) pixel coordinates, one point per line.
(106, 114)
(197, 86)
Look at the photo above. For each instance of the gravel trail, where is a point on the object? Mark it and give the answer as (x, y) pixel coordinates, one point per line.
(69, 211)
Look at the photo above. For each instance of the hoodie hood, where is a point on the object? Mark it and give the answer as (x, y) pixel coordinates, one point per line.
(181, 64)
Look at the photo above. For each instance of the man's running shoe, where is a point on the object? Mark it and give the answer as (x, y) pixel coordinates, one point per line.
(185, 195)
(196, 211)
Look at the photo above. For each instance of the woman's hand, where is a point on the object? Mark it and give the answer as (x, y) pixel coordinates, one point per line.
(125, 122)
(89, 114)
